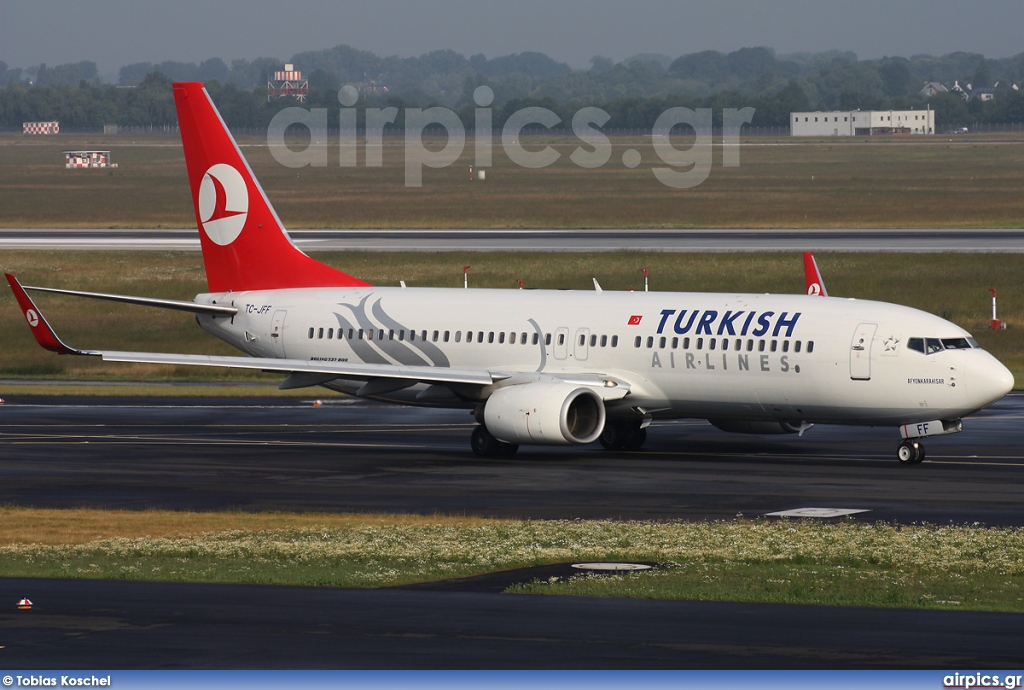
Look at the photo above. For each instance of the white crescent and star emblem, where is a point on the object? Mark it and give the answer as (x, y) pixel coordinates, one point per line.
(223, 203)
(814, 289)
(32, 317)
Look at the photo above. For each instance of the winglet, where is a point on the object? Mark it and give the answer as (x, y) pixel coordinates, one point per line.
(42, 331)
(815, 285)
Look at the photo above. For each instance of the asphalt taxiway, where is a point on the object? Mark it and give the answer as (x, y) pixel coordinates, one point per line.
(287, 454)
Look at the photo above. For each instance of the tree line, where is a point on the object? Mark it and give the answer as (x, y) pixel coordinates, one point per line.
(634, 92)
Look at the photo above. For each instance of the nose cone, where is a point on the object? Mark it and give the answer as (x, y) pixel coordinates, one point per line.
(991, 382)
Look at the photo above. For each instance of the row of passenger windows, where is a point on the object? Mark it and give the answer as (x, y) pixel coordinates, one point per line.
(931, 345)
(500, 337)
(735, 344)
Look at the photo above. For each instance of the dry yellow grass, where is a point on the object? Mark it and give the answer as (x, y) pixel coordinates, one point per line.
(82, 525)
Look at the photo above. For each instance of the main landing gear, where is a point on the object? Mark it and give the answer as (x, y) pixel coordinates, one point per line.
(910, 452)
(486, 446)
(623, 434)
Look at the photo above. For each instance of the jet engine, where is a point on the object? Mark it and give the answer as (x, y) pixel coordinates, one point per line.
(746, 426)
(545, 413)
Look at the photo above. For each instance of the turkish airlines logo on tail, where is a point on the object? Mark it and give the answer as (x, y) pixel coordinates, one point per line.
(223, 203)
(32, 317)
(814, 289)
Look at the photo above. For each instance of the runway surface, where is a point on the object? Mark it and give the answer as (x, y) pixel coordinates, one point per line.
(282, 454)
(835, 240)
(347, 455)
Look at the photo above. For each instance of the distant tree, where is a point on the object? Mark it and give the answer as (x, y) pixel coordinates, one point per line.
(982, 75)
(599, 63)
(133, 74)
(897, 79)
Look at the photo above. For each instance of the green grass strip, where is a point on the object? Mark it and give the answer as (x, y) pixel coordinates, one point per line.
(844, 563)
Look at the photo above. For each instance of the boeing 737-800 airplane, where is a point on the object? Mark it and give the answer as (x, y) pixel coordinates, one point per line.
(551, 367)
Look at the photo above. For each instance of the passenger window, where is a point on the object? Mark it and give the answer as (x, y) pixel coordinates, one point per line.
(686, 343)
(662, 342)
(583, 340)
(561, 338)
(320, 334)
(700, 343)
(380, 334)
(796, 346)
(760, 346)
(351, 333)
(650, 342)
(458, 336)
(536, 338)
(785, 346)
(775, 345)
(391, 334)
(810, 346)
(547, 338)
(604, 341)
(593, 340)
(447, 335)
(501, 337)
(330, 334)
(310, 333)
(750, 346)
(615, 341)
(436, 334)
(469, 336)
(412, 335)
(637, 342)
(725, 343)
(490, 337)
(401, 335)
(522, 338)
(711, 344)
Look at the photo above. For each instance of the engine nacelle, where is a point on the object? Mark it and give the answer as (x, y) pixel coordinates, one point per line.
(746, 426)
(545, 413)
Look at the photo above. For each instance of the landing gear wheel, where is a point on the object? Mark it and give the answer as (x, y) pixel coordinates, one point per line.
(910, 452)
(507, 449)
(623, 434)
(483, 444)
(637, 440)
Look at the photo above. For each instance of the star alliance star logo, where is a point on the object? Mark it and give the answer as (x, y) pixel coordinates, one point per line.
(891, 343)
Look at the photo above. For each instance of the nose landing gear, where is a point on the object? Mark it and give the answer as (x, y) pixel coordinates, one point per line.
(910, 452)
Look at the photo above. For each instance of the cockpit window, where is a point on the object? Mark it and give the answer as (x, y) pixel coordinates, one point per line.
(956, 344)
(930, 346)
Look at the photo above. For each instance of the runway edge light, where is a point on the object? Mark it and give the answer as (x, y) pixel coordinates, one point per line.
(25, 604)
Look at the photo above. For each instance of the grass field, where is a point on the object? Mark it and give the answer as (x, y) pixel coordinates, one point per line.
(954, 286)
(932, 182)
(839, 563)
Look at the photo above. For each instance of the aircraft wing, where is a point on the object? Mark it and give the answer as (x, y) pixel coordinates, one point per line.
(301, 373)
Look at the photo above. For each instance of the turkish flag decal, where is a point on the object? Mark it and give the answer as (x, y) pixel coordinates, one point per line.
(635, 320)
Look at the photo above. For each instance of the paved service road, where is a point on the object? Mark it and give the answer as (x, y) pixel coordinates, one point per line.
(889, 240)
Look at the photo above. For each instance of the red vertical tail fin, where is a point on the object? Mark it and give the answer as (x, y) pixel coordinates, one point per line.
(245, 246)
(812, 276)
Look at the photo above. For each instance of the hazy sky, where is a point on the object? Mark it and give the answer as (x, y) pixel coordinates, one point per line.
(113, 33)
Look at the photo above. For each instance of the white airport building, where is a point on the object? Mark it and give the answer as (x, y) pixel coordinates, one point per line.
(862, 123)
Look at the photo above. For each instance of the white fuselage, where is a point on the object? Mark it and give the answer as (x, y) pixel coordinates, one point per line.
(791, 358)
